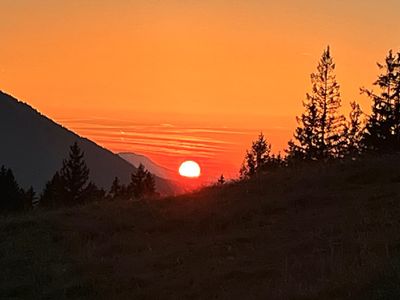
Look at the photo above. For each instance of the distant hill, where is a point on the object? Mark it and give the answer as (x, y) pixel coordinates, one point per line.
(33, 146)
(136, 159)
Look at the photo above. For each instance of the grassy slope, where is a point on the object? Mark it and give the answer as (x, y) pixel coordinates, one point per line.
(329, 232)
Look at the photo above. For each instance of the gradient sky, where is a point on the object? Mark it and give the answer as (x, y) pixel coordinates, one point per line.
(187, 79)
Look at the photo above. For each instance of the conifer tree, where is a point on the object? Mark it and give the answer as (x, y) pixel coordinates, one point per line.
(116, 190)
(320, 131)
(383, 126)
(74, 175)
(136, 186)
(142, 183)
(70, 185)
(256, 158)
(261, 151)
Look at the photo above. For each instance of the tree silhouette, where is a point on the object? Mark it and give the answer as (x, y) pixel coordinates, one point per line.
(117, 190)
(383, 126)
(221, 180)
(150, 185)
(54, 193)
(257, 158)
(354, 131)
(320, 131)
(250, 164)
(142, 184)
(261, 151)
(75, 175)
(70, 185)
(305, 134)
(11, 195)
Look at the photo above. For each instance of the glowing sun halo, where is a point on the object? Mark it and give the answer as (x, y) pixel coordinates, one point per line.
(189, 168)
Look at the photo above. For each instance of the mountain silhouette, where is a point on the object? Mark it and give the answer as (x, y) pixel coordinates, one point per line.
(154, 168)
(34, 146)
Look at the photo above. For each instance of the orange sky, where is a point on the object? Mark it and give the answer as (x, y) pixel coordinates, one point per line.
(186, 79)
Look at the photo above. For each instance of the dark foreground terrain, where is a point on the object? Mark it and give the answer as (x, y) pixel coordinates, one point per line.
(317, 232)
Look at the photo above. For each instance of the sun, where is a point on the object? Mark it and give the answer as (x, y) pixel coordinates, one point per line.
(189, 168)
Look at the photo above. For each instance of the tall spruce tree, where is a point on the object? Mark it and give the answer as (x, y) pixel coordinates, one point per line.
(320, 131)
(75, 176)
(383, 126)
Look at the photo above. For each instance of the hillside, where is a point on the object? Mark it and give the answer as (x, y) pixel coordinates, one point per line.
(34, 146)
(316, 232)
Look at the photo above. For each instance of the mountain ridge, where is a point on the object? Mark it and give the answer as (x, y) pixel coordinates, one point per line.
(34, 146)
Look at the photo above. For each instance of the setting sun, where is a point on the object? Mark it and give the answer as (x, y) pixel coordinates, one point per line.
(189, 169)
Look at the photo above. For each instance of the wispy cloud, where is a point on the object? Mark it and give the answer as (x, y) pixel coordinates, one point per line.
(168, 143)
(164, 138)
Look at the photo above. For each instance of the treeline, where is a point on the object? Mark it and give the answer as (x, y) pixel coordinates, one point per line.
(71, 186)
(323, 133)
